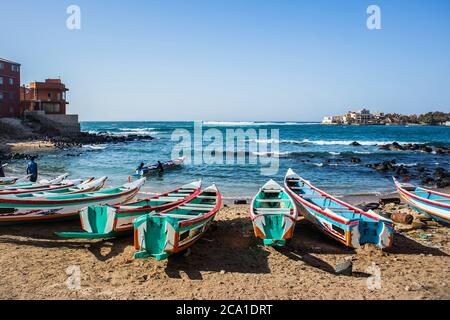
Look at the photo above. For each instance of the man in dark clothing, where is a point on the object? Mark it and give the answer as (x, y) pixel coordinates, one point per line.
(32, 170)
(2, 174)
(160, 167)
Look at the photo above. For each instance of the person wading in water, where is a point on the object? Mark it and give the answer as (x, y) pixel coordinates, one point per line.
(32, 170)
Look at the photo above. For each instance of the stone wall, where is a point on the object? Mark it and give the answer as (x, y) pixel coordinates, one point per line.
(65, 124)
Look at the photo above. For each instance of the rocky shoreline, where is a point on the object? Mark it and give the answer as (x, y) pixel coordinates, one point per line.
(25, 146)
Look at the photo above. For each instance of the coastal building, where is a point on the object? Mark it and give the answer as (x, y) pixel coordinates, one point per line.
(9, 88)
(332, 120)
(48, 96)
(362, 116)
(46, 103)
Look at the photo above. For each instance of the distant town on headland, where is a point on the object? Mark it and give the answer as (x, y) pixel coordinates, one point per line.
(365, 117)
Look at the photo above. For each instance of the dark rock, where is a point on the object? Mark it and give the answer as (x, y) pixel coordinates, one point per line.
(344, 268)
(369, 206)
(240, 201)
(385, 200)
(355, 144)
(401, 170)
(355, 160)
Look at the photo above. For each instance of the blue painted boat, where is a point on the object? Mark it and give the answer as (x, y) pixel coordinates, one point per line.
(432, 203)
(339, 220)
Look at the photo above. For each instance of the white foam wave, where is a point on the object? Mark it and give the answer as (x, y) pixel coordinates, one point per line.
(253, 123)
(95, 147)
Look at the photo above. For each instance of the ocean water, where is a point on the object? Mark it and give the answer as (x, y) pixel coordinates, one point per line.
(319, 153)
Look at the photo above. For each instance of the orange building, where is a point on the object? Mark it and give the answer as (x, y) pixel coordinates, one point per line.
(48, 96)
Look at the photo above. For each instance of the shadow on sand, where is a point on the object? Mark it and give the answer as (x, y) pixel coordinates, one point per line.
(43, 235)
(229, 246)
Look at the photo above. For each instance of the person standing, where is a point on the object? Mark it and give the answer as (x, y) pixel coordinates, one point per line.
(32, 169)
(2, 174)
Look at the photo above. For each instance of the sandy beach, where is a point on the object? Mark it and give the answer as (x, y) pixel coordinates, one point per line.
(227, 263)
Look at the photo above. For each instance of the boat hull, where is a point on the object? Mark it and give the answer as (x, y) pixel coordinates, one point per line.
(44, 211)
(436, 211)
(169, 236)
(111, 221)
(159, 235)
(273, 214)
(354, 230)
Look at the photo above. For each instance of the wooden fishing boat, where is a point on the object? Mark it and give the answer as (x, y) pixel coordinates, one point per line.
(100, 222)
(161, 234)
(273, 214)
(66, 186)
(432, 203)
(16, 209)
(167, 165)
(23, 183)
(88, 185)
(338, 219)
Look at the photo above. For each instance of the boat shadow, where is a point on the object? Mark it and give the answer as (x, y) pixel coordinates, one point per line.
(43, 236)
(228, 246)
(308, 243)
(405, 245)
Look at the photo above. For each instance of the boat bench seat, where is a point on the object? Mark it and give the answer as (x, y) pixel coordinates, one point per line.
(199, 205)
(273, 200)
(310, 196)
(194, 208)
(167, 199)
(295, 188)
(271, 191)
(338, 209)
(207, 197)
(273, 209)
(181, 216)
(179, 194)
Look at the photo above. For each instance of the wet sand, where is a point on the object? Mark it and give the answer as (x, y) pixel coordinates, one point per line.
(227, 263)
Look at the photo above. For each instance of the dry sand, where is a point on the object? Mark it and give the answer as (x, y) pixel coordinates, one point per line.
(227, 263)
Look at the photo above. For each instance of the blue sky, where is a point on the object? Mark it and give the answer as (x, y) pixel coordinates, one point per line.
(234, 60)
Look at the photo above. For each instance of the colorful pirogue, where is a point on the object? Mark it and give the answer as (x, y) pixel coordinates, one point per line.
(153, 168)
(161, 234)
(23, 183)
(112, 221)
(16, 209)
(66, 186)
(338, 219)
(273, 214)
(432, 203)
(5, 181)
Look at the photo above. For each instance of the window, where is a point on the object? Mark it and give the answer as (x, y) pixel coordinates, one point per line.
(11, 81)
(2, 65)
(1, 80)
(11, 95)
(14, 68)
(1, 95)
(49, 95)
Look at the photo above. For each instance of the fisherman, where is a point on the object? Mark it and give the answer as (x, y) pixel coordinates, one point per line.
(160, 168)
(2, 174)
(32, 169)
(140, 169)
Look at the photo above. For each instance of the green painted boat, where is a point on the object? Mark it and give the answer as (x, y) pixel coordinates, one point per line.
(25, 184)
(19, 209)
(159, 235)
(99, 222)
(273, 214)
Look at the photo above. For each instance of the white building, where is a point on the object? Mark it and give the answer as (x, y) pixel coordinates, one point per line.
(332, 120)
